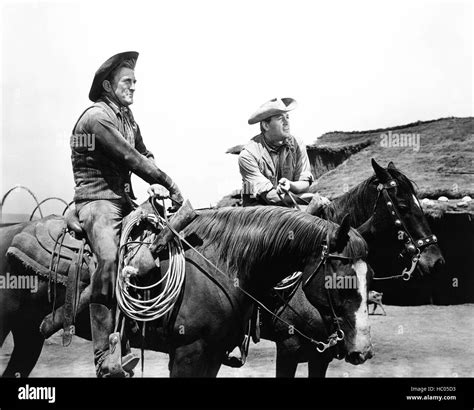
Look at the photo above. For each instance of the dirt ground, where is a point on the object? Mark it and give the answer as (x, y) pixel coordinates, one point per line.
(420, 341)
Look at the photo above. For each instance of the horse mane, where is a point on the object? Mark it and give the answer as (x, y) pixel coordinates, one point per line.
(356, 200)
(247, 237)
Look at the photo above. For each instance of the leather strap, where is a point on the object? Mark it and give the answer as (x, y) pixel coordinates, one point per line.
(56, 252)
(72, 296)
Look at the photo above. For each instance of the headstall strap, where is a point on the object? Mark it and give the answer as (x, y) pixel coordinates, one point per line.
(388, 185)
(412, 246)
(419, 243)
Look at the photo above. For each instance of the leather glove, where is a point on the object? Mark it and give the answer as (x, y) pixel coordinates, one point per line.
(176, 198)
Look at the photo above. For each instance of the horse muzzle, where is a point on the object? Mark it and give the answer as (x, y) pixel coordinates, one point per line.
(431, 260)
(359, 357)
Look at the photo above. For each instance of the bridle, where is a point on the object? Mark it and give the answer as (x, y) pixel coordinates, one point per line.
(338, 335)
(326, 256)
(413, 247)
(334, 338)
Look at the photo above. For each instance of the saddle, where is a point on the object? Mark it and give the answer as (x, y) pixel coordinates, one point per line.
(55, 248)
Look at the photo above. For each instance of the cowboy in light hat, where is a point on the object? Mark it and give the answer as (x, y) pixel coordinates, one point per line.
(273, 165)
(274, 162)
(103, 194)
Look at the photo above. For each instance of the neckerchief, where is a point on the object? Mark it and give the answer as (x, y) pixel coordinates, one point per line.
(276, 148)
(280, 156)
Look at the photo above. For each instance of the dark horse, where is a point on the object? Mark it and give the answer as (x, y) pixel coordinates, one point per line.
(248, 251)
(392, 244)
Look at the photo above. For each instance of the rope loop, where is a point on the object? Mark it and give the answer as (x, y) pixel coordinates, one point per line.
(136, 301)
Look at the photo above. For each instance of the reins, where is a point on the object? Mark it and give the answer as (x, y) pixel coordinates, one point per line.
(146, 310)
(321, 346)
(337, 336)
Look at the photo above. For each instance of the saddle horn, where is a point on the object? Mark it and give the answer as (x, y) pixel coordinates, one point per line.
(185, 215)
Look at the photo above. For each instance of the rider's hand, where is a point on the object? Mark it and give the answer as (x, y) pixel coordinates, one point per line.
(158, 191)
(176, 200)
(283, 186)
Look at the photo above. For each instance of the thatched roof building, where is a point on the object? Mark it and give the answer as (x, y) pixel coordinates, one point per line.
(438, 155)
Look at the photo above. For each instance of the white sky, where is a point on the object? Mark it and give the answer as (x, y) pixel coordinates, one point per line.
(205, 66)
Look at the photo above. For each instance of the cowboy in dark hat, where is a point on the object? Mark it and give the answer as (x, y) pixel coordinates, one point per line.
(103, 194)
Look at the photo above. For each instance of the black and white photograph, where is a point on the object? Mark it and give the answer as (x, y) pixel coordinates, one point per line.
(268, 199)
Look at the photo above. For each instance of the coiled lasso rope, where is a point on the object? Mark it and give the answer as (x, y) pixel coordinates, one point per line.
(143, 308)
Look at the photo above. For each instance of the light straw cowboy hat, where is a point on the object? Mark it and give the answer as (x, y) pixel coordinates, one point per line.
(273, 107)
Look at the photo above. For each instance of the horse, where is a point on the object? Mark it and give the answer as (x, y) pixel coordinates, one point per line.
(233, 257)
(387, 213)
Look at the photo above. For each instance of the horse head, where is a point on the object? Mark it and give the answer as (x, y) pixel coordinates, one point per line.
(338, 288)
(398, 209)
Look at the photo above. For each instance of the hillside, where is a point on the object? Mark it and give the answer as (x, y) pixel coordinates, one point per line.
(438, 155)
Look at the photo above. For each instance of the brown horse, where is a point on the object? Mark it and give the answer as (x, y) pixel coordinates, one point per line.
(248, 251)
(393, 242)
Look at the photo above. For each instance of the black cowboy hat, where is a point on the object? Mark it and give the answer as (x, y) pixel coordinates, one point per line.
(104, 71)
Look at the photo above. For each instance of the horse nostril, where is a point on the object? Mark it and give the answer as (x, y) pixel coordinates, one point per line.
(355, 358)
(439, 266)
(440, 263)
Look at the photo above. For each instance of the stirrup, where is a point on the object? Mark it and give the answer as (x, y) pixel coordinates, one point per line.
(104, 371)
(129, 362)
(117, 363)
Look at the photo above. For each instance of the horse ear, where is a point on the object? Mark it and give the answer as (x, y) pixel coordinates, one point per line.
(367, 229)
(382, 174)
(391, 165)
(342, 235)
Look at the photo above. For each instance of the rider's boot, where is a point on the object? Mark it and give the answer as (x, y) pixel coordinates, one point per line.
(238, 356)
(107, 346)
